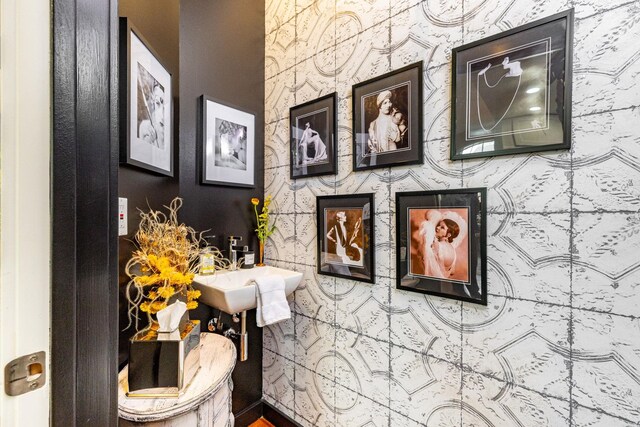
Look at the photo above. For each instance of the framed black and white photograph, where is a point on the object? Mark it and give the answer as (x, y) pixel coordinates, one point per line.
(228, 144)
(146, 104)
(441, 243)
(346, 236)
(387, 119)
(313, 138)
(512, 91)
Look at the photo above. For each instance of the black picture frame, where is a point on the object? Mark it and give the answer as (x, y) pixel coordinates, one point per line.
(388, 135)
(146, 104)
(511, 92)
(346, 239)
(227, 144)
(437, 257)
(313, 132)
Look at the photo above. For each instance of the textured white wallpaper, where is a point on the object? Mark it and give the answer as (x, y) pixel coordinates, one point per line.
(559, 342)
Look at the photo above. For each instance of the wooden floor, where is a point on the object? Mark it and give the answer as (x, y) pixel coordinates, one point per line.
(262, 423)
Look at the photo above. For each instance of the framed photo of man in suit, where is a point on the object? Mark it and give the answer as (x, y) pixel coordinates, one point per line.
(345, 236)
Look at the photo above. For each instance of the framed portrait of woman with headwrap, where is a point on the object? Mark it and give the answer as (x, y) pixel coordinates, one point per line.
(511, 92)
(345, 236)
(441, 243)
(387, 119)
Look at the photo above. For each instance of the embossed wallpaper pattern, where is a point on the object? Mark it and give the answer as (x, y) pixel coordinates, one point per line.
(559, 342)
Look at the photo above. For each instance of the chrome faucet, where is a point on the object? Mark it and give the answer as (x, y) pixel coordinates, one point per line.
(233, 251)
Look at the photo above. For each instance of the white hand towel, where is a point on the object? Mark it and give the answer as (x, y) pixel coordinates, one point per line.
(272, 304)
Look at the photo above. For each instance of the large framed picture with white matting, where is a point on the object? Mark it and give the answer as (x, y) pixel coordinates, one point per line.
(146, 104)
(228, 138)
(511, 92)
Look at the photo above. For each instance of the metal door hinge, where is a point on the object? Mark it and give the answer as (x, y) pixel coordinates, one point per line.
(25, 374)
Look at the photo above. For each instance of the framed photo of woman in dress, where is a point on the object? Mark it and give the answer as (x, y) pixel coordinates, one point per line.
(146, 104)
(512, 91)
(387, 120)
(441, 243)
(313, 138)
(345, 236)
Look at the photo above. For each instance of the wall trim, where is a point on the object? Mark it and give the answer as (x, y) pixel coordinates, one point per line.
(264, 409)
(84, 264)
(275, 417)
(249, 414)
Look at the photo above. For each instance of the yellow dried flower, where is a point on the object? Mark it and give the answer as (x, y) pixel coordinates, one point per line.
(193, 295)
(166, 292)
(152, 279)
(145, 306)
(156, 306)
(192, 304)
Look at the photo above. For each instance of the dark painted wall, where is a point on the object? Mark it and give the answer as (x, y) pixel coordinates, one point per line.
(217, 49)
(159, 23)
(222, 56)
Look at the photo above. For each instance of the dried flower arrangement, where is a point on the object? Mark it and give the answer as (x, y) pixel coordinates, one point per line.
(164, 263)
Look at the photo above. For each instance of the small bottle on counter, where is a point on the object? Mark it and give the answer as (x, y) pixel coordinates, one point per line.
(207, 259)
(249, 259)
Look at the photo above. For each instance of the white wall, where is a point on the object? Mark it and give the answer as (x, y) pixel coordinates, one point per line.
(25, 134)
(559, 342)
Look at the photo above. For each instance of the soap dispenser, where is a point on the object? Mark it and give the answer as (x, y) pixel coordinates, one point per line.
(207, 258)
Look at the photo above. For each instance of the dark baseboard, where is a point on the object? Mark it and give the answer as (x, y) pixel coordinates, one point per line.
(277, 418)
(249, 414)
(263, 409)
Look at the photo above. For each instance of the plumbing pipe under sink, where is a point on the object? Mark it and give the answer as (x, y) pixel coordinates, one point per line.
(243, 336)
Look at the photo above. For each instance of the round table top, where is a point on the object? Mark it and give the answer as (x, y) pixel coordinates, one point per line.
(217, 360)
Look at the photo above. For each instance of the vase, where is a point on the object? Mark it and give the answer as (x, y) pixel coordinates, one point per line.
(261, 255)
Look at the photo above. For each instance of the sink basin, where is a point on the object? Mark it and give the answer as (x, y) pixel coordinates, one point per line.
(235, 291)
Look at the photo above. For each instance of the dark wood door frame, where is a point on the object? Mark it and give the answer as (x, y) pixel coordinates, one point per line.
(84, 220)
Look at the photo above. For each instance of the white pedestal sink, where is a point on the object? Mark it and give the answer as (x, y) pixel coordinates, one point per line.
(235, 291)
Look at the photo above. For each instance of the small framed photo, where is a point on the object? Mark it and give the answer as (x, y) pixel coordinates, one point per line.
(228, 144)
(346, 237)
(146, 105)
(512, 91)
(387, 120)
(313, 138)
(441, 243)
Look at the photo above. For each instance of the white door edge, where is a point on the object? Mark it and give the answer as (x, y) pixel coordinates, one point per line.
(25, 187)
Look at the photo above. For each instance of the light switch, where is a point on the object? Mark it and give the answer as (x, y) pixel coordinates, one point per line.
(122, 216)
